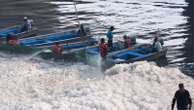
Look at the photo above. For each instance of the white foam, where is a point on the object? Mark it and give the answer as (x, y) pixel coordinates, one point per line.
(45, 85)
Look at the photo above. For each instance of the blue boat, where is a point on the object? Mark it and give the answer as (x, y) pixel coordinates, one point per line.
(93, 54)
(70, 49)
(119, 45)
(50, 39)
(139, 53)
(16, 30)
(121, 55)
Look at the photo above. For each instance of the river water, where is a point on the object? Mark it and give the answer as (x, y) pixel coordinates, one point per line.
(36, 84)
(172, 18)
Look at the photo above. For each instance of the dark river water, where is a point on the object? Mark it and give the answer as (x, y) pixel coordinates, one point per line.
(174, 18)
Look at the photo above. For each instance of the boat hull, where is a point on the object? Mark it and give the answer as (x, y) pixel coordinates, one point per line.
(137, 54)
(124, 55)
(17, 49)
(16, 31)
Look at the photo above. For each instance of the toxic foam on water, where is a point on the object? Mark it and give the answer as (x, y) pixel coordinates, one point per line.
(44, 85)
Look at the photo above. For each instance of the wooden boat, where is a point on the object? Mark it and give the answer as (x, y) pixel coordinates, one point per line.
(139, 53)
(16, 31)
(93, 55)
(71, 41)
(44, 41)
(123, 55)
(17, 49)
(70, 49)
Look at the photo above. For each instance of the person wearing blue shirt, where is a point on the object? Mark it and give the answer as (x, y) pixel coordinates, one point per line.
(110, 37)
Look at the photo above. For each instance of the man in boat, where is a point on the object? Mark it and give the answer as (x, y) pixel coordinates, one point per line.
(110, 37)
(103, 49)
(27, 25)
(11, 39)
(127, 41)
(133, 38)
(157, 46)
(81, 30)
(159, 38)
(57, 49)
(183, 99)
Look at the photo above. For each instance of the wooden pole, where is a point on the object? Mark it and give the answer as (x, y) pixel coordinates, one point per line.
(76, 12)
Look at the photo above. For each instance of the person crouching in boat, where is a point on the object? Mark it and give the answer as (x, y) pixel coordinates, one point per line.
(103, 49)
(57, 49)
(11, 39)
(82, 31)
(127, 42)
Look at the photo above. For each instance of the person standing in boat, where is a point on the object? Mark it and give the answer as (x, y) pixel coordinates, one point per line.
(183, 99)
(158, 42)
(110, 37)
(159, 38)
(103, 49)
(27, 25)
(57, 49)
(82, 31)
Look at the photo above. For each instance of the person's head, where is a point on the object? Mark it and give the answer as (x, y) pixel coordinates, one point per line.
(181, 86)
(125, 37)
(102, 40)
(25, 18)
(112, 28)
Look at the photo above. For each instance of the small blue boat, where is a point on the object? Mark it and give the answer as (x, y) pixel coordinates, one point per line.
(70, 49)
(139, 53)
(121, 55)
(50, 39)
(17, 31)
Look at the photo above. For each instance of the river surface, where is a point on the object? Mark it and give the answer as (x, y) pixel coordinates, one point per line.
(172, 18)
(28, 83)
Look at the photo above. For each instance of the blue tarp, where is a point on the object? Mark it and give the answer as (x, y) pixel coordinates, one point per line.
(129, 53)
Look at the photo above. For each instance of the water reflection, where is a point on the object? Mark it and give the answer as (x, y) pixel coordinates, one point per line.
(44, 13)
(141, 17)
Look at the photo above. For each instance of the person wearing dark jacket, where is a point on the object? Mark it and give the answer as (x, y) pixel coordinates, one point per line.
(183, 99)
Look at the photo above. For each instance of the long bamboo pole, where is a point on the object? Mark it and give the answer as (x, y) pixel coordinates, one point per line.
(76, 12)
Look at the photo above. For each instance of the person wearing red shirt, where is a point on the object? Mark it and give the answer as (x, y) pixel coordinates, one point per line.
(103, 49)
(11, 39)
(57, 49)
